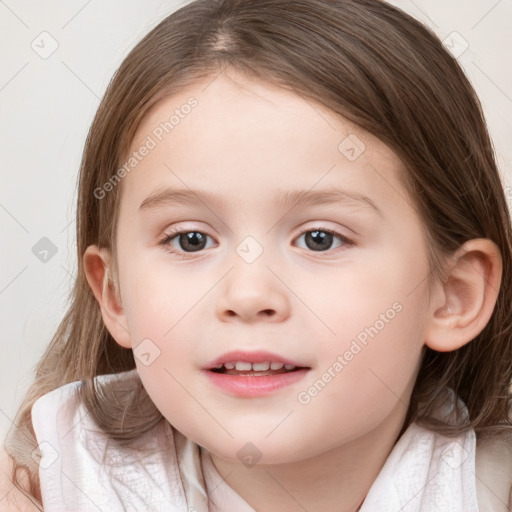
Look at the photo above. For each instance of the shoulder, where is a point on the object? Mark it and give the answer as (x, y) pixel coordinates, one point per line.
(11, 498)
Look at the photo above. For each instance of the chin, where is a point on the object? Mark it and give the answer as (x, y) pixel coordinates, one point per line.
(257, 452)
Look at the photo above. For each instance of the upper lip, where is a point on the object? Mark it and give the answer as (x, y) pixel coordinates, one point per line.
(250, 357)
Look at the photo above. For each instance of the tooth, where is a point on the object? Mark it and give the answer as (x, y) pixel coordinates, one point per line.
(219, 366)
(289, 366)
(242, 365)
(276, 366)
(230, 365)
(261, 366)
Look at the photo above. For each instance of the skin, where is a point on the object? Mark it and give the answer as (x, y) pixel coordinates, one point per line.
(244, 142)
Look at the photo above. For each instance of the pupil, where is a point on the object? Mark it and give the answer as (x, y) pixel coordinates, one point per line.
(193, 241)
(318, 240)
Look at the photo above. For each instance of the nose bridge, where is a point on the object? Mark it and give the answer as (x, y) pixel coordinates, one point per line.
(251, 289)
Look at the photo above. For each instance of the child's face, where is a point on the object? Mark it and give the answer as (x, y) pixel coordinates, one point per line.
(353, 313)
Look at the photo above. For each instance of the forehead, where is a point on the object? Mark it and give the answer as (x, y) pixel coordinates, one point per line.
(247, 137)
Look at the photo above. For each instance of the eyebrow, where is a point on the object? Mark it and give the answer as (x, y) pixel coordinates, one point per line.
(287, 200)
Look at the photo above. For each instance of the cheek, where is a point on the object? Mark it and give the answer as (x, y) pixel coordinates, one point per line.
(158, 295)
(361, 378)
(368, 290)
(368, 363)
(161, 307)
(360, 382)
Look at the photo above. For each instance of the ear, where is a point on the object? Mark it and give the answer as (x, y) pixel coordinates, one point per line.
(96, 266)
(466, 300)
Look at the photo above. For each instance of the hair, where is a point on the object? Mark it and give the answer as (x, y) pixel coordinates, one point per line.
(366, 61)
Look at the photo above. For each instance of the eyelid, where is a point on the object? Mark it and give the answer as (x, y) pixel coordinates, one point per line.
(178, 230)
(346, 242)
(326, 230)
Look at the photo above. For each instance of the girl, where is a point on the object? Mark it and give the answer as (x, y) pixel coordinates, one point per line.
(294, 284)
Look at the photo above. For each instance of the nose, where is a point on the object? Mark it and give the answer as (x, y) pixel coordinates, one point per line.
(251, 292)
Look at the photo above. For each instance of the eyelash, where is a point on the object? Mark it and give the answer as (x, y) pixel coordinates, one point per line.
(165, 242)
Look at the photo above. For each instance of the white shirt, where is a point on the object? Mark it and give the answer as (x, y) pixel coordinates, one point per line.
(81, 469)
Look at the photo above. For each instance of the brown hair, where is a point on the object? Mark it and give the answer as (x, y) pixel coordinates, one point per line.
(363, 59)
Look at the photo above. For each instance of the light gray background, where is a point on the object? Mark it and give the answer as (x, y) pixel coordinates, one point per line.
(47, 105)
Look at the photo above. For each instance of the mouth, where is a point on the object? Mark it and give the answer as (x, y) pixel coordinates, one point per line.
(248, 369)
(244, 362)
(246, 379)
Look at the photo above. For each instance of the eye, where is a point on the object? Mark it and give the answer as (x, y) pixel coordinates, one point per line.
(321, 240)
(187, 241)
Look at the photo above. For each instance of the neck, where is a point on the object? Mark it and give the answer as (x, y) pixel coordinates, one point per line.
(338, 479)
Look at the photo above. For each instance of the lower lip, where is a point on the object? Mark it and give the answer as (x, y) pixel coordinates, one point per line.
(253, 385)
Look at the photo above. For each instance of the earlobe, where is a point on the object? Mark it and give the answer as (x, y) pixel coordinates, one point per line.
(467, 298)
(96, 263)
